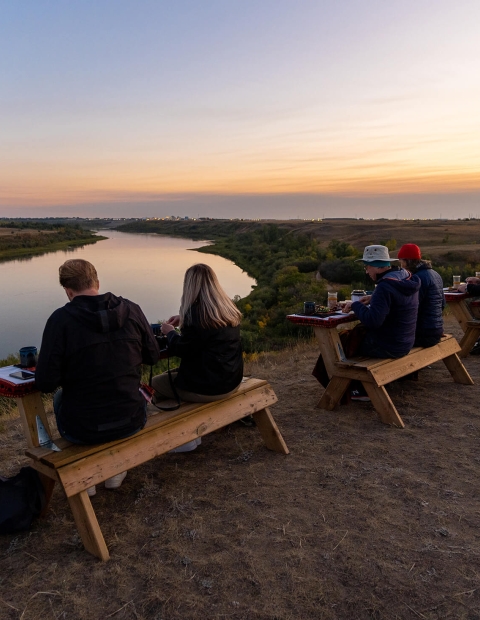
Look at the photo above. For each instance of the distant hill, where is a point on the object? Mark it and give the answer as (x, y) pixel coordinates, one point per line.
(437, 238)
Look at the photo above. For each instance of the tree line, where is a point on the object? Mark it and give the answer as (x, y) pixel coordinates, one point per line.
(289, 266)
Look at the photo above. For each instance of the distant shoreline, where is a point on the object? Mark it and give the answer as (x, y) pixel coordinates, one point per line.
(13, 254)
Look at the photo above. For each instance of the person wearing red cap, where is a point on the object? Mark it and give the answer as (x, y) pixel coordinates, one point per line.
(431, 298)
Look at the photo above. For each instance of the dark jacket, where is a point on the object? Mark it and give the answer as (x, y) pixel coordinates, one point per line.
(431, 302)
(473, 289)
(211, 359)
(94, 347)
(392, 315)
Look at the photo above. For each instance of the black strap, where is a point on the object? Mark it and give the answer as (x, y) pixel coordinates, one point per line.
(172, 385)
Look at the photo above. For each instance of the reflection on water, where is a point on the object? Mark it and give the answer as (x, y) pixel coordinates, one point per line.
(148, 269)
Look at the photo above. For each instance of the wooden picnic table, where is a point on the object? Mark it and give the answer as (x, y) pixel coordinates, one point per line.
(374, 373)
(466, 311)
(77, 467)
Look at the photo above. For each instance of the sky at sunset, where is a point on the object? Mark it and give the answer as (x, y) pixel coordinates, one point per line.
(226, 108)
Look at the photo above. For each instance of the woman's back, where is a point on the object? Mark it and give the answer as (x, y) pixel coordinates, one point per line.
(211, 358)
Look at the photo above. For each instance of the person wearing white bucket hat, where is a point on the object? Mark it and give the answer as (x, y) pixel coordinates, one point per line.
(376, 254)
(390, 313)
(388, 317)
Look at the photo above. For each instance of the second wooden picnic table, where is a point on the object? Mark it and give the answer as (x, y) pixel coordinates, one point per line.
(374, 373)
(466, 311)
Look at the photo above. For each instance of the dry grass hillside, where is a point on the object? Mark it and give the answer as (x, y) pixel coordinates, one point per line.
(360, 521)
(435, 237)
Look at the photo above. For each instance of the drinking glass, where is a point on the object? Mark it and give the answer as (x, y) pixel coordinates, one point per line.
(456, 281)
(332, 300)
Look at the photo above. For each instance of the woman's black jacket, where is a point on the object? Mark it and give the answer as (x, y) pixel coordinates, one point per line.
(211, 359)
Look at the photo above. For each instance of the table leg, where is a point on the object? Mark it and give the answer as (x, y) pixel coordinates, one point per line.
(29, 407)
(48, 486)
(461, 311)
(470, 337)
(333, 393)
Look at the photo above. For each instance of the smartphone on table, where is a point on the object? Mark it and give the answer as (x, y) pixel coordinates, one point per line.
(23, 374)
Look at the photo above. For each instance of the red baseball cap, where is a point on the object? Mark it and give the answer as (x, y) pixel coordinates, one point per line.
(409, 251)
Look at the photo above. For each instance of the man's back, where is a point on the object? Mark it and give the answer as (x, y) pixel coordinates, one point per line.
(94, 347)
(391, 317)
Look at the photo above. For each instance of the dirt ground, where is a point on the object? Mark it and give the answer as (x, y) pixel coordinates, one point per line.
(360, 521)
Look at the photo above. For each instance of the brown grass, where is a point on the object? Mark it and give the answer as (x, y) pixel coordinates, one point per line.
(360, 521)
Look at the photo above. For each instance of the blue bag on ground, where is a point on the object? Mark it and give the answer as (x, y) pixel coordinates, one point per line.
(22, 499)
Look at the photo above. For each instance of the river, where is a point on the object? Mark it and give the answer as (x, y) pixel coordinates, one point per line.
(148, 269)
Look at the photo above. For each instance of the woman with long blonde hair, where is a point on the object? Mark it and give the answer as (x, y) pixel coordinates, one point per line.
(208, 344)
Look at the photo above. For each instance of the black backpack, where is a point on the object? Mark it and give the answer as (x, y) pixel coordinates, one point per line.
(22, 499)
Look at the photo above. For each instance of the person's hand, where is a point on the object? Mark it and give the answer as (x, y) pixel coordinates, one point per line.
(472, 280)
(173, 320)
(462, 288)
(166, 328)
(347, 307)
(365, 300)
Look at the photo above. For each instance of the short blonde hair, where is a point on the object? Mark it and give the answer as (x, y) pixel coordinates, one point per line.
(215, 308)
(78, 274)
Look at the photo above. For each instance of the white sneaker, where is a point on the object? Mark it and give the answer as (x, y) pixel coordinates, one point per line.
(115, 481)
(92, 491)
(187, 447)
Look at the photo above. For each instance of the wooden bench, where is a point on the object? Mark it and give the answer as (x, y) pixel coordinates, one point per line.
(76, 468)
(376, 373)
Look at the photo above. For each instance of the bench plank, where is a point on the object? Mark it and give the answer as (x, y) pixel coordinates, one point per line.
(382, 372)
(72, 452)
(83, 473)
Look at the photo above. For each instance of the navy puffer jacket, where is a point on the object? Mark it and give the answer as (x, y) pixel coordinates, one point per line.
(392, 315)
(431, 302)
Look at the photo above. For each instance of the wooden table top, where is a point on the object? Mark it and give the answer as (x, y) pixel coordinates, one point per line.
(327, 322)
(453, 296)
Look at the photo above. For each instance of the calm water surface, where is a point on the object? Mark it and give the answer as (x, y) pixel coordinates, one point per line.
(148, 269)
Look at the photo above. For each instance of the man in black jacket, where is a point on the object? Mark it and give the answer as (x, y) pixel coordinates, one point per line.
(93, 348)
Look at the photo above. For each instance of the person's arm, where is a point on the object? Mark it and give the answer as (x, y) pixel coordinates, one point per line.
(374, 315)
(188, 341)
(150, 349)
(174, 320)
(48, 373)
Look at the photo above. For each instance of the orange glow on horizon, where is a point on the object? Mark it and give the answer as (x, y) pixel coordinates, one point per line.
(58, 191)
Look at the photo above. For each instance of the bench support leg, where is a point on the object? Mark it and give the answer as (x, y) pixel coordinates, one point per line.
(87, 525)
(269, 431)
(333, 393)
(457, 370)
(470, 337)
(383, 404)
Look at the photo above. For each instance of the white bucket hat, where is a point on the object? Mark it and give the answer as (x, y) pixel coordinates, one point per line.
(374, 253)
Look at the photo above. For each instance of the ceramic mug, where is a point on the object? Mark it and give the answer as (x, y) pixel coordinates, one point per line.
(28, 357)
(309, 307)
